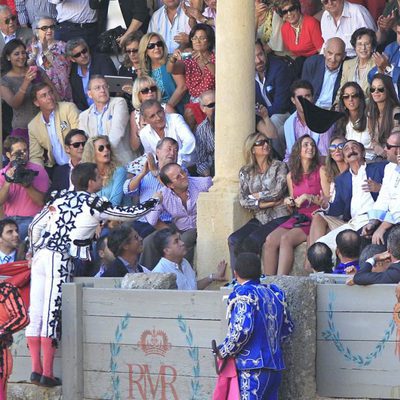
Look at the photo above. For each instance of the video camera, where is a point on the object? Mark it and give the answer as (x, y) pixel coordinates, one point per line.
(22, 175)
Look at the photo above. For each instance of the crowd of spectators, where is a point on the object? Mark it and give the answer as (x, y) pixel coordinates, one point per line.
(300, 183)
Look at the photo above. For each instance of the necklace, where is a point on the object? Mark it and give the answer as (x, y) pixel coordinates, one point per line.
(297, 30)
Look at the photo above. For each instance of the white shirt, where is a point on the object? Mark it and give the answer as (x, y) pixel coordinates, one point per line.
(76, 11)
(185, 276)
(7, 38)
(161, 24)
(177, 129)
(354, 16)
(264, 90)
(362, 137)
(361, 201)
(6, 258)
(60, 156)
(387, 205)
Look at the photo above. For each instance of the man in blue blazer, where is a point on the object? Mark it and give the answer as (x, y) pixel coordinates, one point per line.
(273, 79)
(325, 72)
(356, 191)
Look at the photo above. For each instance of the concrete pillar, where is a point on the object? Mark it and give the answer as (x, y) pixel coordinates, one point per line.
(219, 212)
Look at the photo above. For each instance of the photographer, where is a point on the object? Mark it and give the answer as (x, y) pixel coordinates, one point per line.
(23, 184)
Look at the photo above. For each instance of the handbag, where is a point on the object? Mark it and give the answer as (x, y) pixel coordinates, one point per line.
(108, 40)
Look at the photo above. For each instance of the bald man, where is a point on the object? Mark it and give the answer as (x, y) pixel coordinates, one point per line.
(324, 72)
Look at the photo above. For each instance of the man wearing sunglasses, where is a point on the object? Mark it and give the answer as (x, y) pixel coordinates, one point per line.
(74, 142)
(9, 28)
(386, 211)
(356, 191)
(48, 128)
(84, 65)
(341, 18)
(108, 116)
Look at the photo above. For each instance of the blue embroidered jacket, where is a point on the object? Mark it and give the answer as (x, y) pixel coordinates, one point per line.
(258, 323)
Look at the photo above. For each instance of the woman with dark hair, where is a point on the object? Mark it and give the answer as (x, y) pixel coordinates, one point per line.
(356, 69)
(199, 69)
(354, 124)
(334, 166)
(153, 55)
(305, 189)
(16, 84)
(301, 34)
(130, 65)
(382, 107)
(263, 187)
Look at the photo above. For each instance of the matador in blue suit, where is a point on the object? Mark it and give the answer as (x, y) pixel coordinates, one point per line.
(258, 322)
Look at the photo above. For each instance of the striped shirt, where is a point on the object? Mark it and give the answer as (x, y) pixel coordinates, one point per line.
(75, 11)
(205, 147)
(29, 11)
(161, 24)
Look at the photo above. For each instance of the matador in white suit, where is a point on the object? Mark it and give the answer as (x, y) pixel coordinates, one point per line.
(62, 231)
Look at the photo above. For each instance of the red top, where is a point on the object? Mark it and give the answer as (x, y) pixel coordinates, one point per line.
(198, 80)
(310, 39)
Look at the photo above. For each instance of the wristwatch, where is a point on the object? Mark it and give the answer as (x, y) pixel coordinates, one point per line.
(388, 70)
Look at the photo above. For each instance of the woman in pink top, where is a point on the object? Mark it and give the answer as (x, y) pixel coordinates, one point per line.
(305, 195)
(301, 34)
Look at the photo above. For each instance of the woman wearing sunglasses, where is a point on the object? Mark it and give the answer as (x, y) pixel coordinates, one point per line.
(305, 186)
(144, 88)
(130, 65)
(301, 34)
(262, 188)
(354, 124)
(198, 65)
(334, 166)
(382, 108)
(16, 85)
(98, 150)
(153, 55)
(49, 54)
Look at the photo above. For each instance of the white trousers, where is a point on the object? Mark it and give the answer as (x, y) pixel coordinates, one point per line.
(48, 272)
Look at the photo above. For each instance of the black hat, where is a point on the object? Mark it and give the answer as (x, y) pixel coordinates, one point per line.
(318, 119)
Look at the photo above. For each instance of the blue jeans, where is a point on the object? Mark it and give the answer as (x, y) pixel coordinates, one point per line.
(23, 225)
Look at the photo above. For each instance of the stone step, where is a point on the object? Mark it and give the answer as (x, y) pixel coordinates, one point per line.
(27, 391)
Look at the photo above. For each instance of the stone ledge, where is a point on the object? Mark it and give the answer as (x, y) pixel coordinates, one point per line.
(27, 391)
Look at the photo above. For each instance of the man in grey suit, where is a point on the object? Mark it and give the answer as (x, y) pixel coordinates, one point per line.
(9, 28)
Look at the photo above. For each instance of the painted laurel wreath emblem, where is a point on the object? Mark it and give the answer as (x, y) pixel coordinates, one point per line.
(115, 348)
(362, 361)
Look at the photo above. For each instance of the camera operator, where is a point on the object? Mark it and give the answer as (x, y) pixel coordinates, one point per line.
(23, 185)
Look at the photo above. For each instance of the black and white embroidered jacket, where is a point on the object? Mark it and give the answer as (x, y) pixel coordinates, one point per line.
(68, 222)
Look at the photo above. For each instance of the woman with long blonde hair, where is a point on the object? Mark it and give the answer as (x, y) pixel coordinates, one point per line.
(98, 150)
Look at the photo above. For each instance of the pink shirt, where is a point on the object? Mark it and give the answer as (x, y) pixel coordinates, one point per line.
(18, 203)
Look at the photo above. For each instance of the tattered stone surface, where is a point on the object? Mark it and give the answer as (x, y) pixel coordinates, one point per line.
(149, 281)
(300, 349)
(299, 258)
(27, 391)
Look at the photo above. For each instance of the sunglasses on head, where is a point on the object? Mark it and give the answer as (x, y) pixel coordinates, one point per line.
(392, 146)
(261, 142)
(9, 19)
(147, 90)
(102, 147)
(44, 28)
(350, 96)
(288, 10)
(131, 51)
(83, 51)
(76, 145)
(379, 89)
(151, 46)
(210, 105)
(333, 147)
